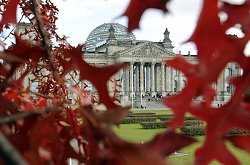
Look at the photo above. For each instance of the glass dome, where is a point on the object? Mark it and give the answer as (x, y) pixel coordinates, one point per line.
(100, 34)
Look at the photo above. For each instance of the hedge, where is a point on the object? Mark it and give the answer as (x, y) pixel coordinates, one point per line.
(162, 124)
(141, 115)
(237, 131)
(165, 118)
(153, 125)
(170, 117)
(193, 130)
(190, 118)
(200, 131)
(193, 123)
(132, 120)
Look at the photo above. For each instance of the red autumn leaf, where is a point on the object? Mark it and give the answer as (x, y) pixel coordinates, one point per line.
(21, 133)
(98, 76)
(41, 102)
(237, 14)
(9, 15)
(156, 150)
(7, 106)
(196, 86)
(21, 50)
(113, 117)
(116, 89)
(217, 151)
(222, 50)
(83, 95)
(137, 7)
(201, 76)
(43, 147)
(219, 121)
(71, 119)
(168, 142)
(241, 142)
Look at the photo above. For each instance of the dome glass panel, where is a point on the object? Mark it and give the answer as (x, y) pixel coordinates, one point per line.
(100, 34)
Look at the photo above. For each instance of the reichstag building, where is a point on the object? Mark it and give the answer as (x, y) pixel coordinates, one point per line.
(147, 79)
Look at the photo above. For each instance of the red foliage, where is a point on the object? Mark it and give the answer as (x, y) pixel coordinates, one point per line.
(9, 13)
(102, 75)
(212, 60)
(137, 7)
(48, 137)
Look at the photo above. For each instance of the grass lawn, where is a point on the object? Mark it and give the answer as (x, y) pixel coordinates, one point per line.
(134, 133)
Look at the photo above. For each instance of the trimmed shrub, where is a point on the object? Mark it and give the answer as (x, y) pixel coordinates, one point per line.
(153, 125)
(193, 130)
(132, 120)
(200, 131)
(165, 118)
(170, 117)
(237, 131)
(190, 118)
(194, 123)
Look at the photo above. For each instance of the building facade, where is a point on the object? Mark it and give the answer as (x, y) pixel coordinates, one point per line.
(147, 79)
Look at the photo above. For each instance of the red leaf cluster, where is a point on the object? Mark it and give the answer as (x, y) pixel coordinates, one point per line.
(216, 49)
(136, 9)
(9, 12)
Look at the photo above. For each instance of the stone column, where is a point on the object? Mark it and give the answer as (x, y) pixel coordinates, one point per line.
(168, 80)
(148, 79)
(163, 79)
(172, 80)
(137, 79)
(142, 76)
(153, 79)
(158, 77)
(179, 81)
(131, 79)
(221, 86)
(127, 81)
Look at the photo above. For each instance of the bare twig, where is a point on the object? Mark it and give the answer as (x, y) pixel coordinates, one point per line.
(14, 118)
(9, 153)
(10, 57)
(13, 28)
(43, 96)
(73, 78)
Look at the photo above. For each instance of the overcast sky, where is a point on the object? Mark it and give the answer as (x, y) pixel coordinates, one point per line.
(77, 18)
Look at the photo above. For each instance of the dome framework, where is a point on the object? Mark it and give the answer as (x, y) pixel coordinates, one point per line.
(101, 33)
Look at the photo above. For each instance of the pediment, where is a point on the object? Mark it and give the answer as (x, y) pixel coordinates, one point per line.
(146, 49)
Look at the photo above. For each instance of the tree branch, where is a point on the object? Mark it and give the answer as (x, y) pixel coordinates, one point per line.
(9, 153)
(14, 118)
(45, 41)
(14, 28)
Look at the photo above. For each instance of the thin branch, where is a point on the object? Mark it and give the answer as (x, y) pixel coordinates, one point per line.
(42, 95)
(45, 41)
(77, 83)
(14, 118)
(10, 57)
(9, 153)
(13, 29)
